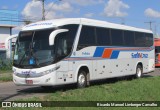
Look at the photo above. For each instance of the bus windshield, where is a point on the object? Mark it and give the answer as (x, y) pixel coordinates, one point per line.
(33, 49)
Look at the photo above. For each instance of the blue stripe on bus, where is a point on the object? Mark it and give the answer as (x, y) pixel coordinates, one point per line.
(115, 54)
(98, 52)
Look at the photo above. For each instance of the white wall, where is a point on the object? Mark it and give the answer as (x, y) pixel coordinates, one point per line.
(4, 33)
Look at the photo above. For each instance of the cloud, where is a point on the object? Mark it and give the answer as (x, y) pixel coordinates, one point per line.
(152, 13)
(88, 15)
(32, 9)
(53, 10)
(17, 29)
(63, 7)
(114, 8)
(4, 7)
(85, 2)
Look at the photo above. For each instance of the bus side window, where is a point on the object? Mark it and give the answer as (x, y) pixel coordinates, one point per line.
(87, 37)
(71, 35)
(129, 39)
(148, 39)
(103, 36)
(140, 39)
(61, 46)
(117, 37)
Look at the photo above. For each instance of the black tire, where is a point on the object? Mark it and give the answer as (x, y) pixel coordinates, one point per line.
(139, 71)
(82, 79)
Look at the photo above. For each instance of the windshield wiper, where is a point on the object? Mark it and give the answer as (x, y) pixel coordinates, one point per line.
(23, 57)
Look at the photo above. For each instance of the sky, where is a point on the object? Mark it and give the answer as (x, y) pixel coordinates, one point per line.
(128, 12)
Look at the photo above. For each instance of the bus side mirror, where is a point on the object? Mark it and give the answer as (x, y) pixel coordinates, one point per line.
(54, 34)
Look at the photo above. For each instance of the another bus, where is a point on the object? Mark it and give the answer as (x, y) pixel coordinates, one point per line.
(157, 51)
(79, 50)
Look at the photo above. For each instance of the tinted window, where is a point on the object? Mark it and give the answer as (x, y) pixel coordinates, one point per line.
(157, 49)
(103, 36)
(148, 39)
(87, 37)
(61, 46)
(139, 39)
(129, 38)
(71, 35)
(117, 37)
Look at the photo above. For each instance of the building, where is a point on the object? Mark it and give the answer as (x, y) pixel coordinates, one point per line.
(5, 32)
(8, 20)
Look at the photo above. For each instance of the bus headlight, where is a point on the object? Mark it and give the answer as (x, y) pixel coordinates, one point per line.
(31, 74)
(48, 71)
(44, 73)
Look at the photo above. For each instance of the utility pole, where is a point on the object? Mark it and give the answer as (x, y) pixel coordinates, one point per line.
(156, 27)
(122, 21)
(43, 9)
(150, 24)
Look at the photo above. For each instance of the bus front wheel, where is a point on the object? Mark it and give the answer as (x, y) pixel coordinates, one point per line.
(81, 79)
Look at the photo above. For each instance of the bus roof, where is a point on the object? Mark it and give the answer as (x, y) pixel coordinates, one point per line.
(83, 21)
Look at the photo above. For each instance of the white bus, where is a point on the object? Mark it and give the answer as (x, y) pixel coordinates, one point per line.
(79, 50)
(9, 45)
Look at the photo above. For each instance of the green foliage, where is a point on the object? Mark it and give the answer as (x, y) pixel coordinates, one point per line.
(5, 70)
(5, 65)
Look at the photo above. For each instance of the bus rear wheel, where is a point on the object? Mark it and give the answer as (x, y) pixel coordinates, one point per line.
(82, 79)
(139, 71)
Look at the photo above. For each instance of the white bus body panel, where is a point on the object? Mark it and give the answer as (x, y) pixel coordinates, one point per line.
(121, 61)
(121, 65)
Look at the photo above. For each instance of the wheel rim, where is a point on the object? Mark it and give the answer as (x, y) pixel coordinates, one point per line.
(81, 79)
(139, 72)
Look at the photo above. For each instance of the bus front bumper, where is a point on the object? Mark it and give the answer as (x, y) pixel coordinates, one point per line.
(49, 79)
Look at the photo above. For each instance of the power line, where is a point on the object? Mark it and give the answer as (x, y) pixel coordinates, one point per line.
(53, 3)
(14, 20)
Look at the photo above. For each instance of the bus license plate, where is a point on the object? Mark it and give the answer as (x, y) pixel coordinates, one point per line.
(29, 81)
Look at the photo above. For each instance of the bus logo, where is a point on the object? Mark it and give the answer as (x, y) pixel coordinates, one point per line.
(139, 55)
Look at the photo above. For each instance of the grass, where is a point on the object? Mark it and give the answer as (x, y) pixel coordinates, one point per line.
(5, 70)
(141, 89)
(5, 75)
(145, 89)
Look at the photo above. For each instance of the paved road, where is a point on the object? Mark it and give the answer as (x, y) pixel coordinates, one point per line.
(10, 92)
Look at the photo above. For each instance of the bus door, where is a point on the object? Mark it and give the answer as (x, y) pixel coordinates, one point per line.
(63, 49)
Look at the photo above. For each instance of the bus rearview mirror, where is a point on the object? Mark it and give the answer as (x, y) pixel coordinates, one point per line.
(54, 34)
